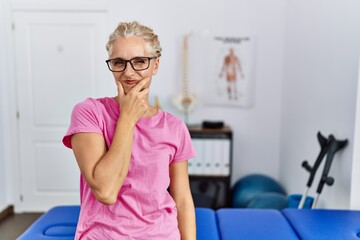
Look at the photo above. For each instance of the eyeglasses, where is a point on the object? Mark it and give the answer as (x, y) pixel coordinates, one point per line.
(137, 63)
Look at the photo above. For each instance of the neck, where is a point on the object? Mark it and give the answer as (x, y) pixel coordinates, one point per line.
(152, 111)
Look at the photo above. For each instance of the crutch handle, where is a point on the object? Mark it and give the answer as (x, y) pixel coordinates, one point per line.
(306, 165)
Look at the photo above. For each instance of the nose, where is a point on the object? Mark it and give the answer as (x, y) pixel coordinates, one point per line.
(129, 71)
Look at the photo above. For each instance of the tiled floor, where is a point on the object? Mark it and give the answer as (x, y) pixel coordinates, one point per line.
(13, 226)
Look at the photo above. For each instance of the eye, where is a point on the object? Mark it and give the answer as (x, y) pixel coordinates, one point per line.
(117, 62)
(139, 60)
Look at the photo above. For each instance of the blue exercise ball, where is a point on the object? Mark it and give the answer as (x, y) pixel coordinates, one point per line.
(246, 188)
(272, 200)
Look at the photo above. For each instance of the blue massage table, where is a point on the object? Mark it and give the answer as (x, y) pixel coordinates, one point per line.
(59, 223)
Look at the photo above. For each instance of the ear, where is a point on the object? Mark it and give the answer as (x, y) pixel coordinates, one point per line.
(156, 66)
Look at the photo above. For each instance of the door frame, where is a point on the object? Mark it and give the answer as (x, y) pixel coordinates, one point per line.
(9, 139)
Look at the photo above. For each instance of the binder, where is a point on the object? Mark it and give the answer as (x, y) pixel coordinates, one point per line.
(207, 157)
(225, 158)
(195, 168)
(218, 154)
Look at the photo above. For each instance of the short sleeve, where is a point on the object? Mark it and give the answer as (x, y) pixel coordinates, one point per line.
(84, 118)
(185, 150)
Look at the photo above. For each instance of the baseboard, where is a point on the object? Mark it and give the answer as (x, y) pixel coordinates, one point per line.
(7, 212)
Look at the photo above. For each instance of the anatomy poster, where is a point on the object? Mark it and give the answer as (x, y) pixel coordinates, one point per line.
(230, 71)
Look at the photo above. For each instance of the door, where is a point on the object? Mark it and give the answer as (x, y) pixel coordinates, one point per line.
(59, 59)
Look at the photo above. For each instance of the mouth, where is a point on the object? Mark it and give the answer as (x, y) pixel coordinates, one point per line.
(131, 82)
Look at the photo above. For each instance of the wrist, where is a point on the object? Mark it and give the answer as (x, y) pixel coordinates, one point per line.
(127, 120)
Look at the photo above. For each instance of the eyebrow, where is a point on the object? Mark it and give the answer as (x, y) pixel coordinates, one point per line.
(127, 59)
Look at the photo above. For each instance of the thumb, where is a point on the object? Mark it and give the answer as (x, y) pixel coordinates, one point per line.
(120, 89)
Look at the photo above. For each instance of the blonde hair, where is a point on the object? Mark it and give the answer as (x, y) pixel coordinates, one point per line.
(135, 29)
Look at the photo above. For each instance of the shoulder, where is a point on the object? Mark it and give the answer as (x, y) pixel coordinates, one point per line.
(94, 108)
(175, 123)
(173, 119)
(91, 104)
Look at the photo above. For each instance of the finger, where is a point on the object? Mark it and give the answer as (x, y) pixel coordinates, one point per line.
(145, 92)
(147, 84)
(120, 89)
(141, 85)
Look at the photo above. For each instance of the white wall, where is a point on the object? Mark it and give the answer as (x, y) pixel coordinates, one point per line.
(319, 91)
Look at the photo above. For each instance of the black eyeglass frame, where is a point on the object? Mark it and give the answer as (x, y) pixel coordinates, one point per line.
(129, 61)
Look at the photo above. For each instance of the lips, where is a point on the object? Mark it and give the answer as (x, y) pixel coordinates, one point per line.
(131, 82)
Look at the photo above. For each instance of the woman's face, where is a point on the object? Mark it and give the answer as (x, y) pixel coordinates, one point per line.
(129, 48)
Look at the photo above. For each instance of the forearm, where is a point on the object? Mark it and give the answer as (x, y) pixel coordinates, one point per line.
(111, 171)
(186, 219)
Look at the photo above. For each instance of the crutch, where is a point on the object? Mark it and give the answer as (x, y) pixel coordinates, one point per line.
(333, 146)
(312, 170)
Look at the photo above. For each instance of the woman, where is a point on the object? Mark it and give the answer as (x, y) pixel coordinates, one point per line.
(131, 153)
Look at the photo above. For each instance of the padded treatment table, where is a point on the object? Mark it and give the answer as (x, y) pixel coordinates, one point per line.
(59, 223)
(253, 224)
(206, 225)
(321, 224)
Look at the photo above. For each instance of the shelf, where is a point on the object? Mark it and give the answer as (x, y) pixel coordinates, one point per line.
(210, 170)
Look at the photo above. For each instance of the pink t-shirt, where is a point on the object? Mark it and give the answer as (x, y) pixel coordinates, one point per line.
(144, 209)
